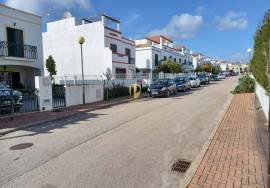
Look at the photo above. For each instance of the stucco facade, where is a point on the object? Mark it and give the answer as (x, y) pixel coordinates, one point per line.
(21, 54)
(61, 41)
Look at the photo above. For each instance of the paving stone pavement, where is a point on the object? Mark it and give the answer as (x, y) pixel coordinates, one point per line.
(238, 153)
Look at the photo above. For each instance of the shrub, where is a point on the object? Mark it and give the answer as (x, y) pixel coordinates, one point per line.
(245, 85)
(261, 51)
(117, 91)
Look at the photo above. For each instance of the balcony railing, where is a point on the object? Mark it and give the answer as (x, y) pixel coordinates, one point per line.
(8, 49)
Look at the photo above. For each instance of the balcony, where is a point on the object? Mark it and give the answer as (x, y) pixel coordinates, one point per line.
(17, 50)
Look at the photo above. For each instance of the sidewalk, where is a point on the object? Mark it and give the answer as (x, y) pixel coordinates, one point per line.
(21, 121)
(238, 153)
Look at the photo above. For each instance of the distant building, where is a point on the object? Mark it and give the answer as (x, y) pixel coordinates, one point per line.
(154, 50)
(105, 46)
(21, 57)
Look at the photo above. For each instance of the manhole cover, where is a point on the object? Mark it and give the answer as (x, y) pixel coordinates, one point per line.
(181, 166)
(21, 146)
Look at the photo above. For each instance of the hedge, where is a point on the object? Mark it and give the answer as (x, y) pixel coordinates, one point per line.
(258, 64)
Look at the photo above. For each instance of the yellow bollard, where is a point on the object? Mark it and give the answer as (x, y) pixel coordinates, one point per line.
(135, 91)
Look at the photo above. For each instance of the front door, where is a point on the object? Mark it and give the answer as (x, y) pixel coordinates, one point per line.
(16, 80)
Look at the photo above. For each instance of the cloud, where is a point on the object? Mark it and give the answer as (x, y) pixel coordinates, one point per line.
(132, 18)
(181, 26)
(43, 6)
(200, 10)
(232, 20)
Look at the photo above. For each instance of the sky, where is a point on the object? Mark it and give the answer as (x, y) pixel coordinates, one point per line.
(217, 28)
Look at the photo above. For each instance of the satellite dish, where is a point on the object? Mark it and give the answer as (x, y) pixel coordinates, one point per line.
(67, 14)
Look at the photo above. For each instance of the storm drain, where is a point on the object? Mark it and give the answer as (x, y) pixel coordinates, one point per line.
(21, 146)
(181, 166)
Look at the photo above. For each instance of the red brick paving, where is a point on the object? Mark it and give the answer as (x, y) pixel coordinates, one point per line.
(238, 153)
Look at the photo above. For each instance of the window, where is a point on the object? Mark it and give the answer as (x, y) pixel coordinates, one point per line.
(170, 57)
(174, 59)
(165, 58)
(156, 59)
(113, 48)
(180, 60)
(128, 52)
(120, 73)
(185, 61)
(15, 42)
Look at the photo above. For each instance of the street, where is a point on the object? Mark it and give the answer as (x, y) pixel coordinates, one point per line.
(128, 145)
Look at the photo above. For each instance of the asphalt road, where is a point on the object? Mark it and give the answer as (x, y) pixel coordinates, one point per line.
(129, 145)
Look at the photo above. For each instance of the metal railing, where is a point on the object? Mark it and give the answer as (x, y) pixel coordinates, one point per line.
(8, 49)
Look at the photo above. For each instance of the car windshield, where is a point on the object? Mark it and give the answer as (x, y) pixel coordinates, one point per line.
(192, 78)
(2, 86)
(179, 79)
(160, 82)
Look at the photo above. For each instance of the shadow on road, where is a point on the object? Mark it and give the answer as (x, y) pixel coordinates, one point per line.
(47, 128)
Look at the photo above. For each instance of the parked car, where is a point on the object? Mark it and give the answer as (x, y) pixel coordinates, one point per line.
(9, 98)
(222, 76)
(203, 79)
(162, 87)
(194, 81)
(214, 77)
(182, 83)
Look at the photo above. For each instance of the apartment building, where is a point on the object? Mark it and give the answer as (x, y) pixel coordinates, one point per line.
(153, 50)
(105, 46)
(21, 57)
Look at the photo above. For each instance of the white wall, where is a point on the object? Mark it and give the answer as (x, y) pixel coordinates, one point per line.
(32, 34)
(93, 93)
(61, 41)
(263, 99)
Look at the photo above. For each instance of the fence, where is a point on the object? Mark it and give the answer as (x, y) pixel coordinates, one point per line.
(116, 79)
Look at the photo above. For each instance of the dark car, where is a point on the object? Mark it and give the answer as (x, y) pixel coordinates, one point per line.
(182, 83)
(9, 98)
(203, 79)
(214, 77)
(162, 87)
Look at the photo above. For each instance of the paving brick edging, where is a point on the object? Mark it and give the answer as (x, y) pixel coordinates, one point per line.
(37, 123)
(196, 163)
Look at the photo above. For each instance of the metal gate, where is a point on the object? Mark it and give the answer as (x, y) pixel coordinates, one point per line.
(58, 96)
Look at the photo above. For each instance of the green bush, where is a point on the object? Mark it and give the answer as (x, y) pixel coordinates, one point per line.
(261, 52)
(245, 85)
(116, 91)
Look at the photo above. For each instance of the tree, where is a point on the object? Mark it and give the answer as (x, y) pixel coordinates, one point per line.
(258, 64)
(216, 70)
(170, 66)
(207, 67)
(51, 66)
(199, 69)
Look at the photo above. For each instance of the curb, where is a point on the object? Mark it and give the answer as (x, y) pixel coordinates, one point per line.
(195, 164)
(66, 116)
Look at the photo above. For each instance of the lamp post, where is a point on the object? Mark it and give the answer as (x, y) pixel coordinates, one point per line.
(268, 71)
(81, 41)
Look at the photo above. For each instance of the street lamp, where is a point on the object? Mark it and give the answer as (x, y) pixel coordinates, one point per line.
(81, 41)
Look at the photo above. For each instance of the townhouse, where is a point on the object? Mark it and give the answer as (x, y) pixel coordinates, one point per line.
(105, 46)
(153, 50)
(21, 57)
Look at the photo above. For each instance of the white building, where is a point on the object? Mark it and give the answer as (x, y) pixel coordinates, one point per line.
(198, 59)
(105, 46)
(21, 57)
(153, 50)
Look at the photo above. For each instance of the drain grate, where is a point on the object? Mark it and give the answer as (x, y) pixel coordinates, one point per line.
(181, 166)
(21, 146)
